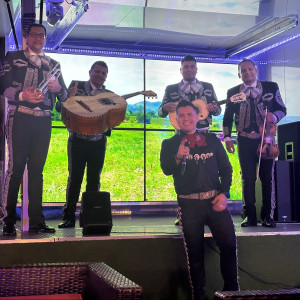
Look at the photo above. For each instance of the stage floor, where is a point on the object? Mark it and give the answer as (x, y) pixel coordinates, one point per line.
(140, 246)
(130, 226)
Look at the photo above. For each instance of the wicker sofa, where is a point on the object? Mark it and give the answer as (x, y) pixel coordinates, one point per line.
(91, 280)
(283, 294)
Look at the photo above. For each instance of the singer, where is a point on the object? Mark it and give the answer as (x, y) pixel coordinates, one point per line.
(202, 177)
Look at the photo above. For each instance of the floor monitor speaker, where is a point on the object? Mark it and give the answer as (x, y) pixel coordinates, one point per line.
(95, 215)
(289, 141)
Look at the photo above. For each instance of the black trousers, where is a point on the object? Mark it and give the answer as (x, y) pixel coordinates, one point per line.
(83, 153)
(28, 140)
(247, 152)
(193, 216)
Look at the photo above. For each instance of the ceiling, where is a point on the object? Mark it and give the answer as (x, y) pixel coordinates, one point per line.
(210, 29)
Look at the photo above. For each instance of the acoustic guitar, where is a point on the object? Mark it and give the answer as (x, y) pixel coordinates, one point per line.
(202, 114)
(202, 107)
(96, 114)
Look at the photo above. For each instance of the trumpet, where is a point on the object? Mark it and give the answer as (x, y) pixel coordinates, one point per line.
(55, 72)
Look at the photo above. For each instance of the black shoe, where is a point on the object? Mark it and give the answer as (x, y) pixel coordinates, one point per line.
(249, 223)
(66, 224)
(9, 229)
(268, 222)
(42, 228)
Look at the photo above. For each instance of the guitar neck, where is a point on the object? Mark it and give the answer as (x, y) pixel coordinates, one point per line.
(222, 102)
(127, 96)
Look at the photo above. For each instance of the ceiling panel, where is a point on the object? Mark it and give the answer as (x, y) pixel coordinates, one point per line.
(203, 28)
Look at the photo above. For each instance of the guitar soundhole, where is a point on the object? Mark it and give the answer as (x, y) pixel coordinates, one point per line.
(107, 101)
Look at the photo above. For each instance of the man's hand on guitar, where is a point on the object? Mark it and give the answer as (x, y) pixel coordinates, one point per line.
(230, 146)
(73, 90)
(212, 107)
(170, 107)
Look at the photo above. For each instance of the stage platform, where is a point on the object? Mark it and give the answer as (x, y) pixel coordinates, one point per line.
(147, 225)
(148, 249)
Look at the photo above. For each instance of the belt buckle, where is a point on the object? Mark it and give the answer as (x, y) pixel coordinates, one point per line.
(205, 195)
(40, 113)
(208, 195)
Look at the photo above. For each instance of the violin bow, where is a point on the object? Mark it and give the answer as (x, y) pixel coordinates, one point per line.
(261, 143)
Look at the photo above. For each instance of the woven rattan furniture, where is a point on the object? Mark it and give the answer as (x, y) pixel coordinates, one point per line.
(286, 294)
(93, 281)
(45, 297)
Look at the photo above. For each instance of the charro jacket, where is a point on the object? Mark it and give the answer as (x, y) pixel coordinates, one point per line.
(265, 94)
(207, 167)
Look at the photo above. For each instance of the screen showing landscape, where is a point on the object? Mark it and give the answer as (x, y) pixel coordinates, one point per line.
(132, 169)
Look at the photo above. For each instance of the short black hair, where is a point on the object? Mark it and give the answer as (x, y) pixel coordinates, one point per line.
(35, 25)
(99, 63)
(185, 103)
(188, 58)
(245, 60)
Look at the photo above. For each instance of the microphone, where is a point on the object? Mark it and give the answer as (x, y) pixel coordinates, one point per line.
(183, 164)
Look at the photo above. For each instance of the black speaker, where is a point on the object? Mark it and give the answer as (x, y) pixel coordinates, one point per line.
(285, 191)
(289, 150)
(289, 141)
(95, 217)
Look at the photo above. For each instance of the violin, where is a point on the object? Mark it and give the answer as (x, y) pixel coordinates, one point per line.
(267, 149)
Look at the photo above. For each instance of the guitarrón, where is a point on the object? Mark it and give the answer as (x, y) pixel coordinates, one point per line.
(96, 114)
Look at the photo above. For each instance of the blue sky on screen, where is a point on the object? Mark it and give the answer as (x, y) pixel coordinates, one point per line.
(125, 75)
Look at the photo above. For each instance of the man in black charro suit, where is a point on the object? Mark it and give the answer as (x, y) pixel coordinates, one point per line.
(189, 89)
(202, 177)
(249, 116)
(28, 127)
(84, 150)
